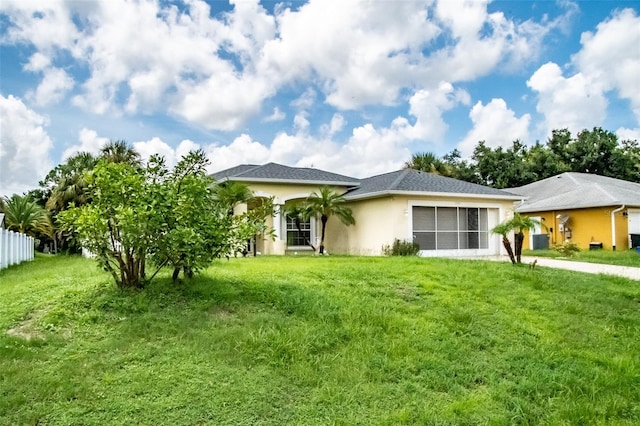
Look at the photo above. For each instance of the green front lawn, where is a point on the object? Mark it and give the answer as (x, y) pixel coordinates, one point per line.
(618, 257)
(317, 341)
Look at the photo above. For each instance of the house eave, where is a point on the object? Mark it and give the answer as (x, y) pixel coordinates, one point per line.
(379, 194)
(534, 209)
(292, 181)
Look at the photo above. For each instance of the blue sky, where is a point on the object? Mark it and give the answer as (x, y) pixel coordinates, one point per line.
(353, 87)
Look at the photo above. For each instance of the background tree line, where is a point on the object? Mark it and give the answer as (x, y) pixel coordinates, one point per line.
(594, 151)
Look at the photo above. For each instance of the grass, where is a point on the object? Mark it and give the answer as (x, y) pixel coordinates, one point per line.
(320, 341)
(619, 257)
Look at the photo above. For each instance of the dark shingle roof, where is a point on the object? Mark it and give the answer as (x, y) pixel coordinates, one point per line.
(401, 181)
(413, 181)
(577, 190)
(273, 172)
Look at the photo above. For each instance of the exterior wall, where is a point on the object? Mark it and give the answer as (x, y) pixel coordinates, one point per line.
(381, 220)
(587, 226)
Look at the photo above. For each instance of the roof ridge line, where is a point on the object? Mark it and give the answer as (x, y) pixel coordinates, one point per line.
(399, 179)
(255, 166)
(601, 189)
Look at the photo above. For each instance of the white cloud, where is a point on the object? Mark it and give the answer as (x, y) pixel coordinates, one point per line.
(54, 86)
(337, 124)
(609, 60)
(611, 56)
(495, 124)
(157, 146)
(428, 105)
(628, 134)
(576, 102)
(277, 115)
(243, 150)
(37, 62)
(216, 71)
(89, 142)
(24, 147)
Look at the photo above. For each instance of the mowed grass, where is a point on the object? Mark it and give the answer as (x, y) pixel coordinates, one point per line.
(320, 341)
(618, 257)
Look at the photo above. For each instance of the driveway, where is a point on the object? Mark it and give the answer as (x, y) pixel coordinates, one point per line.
(590, 268)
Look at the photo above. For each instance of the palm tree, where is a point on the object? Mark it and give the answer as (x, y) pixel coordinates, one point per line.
(299, 213)
(231, 193)
(518, 224)
(326, 203)
(23, 215)
(428, 162)
(71, 184)
(503, 229)
(120, 152)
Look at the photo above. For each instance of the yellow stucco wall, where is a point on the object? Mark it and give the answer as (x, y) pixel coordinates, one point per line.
(587, 226)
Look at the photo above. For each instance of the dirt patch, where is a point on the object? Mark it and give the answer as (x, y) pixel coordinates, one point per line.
(27, 328)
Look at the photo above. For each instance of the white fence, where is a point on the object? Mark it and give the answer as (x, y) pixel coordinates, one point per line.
(15, 248)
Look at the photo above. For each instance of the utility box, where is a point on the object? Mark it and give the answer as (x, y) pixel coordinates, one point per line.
(540, 241)
(595, 246)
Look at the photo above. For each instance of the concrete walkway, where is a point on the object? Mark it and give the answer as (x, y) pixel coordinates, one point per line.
(590, 268)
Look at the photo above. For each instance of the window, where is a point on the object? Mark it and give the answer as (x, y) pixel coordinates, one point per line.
(297, 238)
(451, 228)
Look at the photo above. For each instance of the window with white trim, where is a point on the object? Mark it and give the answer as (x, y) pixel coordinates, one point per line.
(451, 228)
(295, 237)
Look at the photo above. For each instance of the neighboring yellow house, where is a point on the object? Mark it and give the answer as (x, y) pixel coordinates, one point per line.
(592, 211)
(447, 217)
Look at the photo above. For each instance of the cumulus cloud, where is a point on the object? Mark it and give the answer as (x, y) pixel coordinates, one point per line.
(495, 124)
(89, 142)
(216, 71)
(576, 102)
(628, 134)
(609, 60)
(24, 147)
(277, 115)
(52, 88)
(611, 56)
(158, 146)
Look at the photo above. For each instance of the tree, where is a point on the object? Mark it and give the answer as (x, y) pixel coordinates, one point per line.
(517, 224)
(300, 213)
(21, 214)
(231, 193)
(67, 182)
(326, 203)
(139, 214)
(503, 230)
(430, 163)
(120, 151)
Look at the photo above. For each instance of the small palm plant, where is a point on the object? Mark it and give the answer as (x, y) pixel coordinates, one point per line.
(518, 224)
(503, 229)
(326, 203)
(24, 215)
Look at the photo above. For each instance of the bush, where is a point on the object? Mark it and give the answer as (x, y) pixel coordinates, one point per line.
(568, 248)
(401, 248)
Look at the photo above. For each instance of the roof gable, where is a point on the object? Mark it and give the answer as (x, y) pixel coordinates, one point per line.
(573, 190)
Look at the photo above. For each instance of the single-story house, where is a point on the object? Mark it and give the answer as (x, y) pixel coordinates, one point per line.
(590, 210)
(446, 217)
